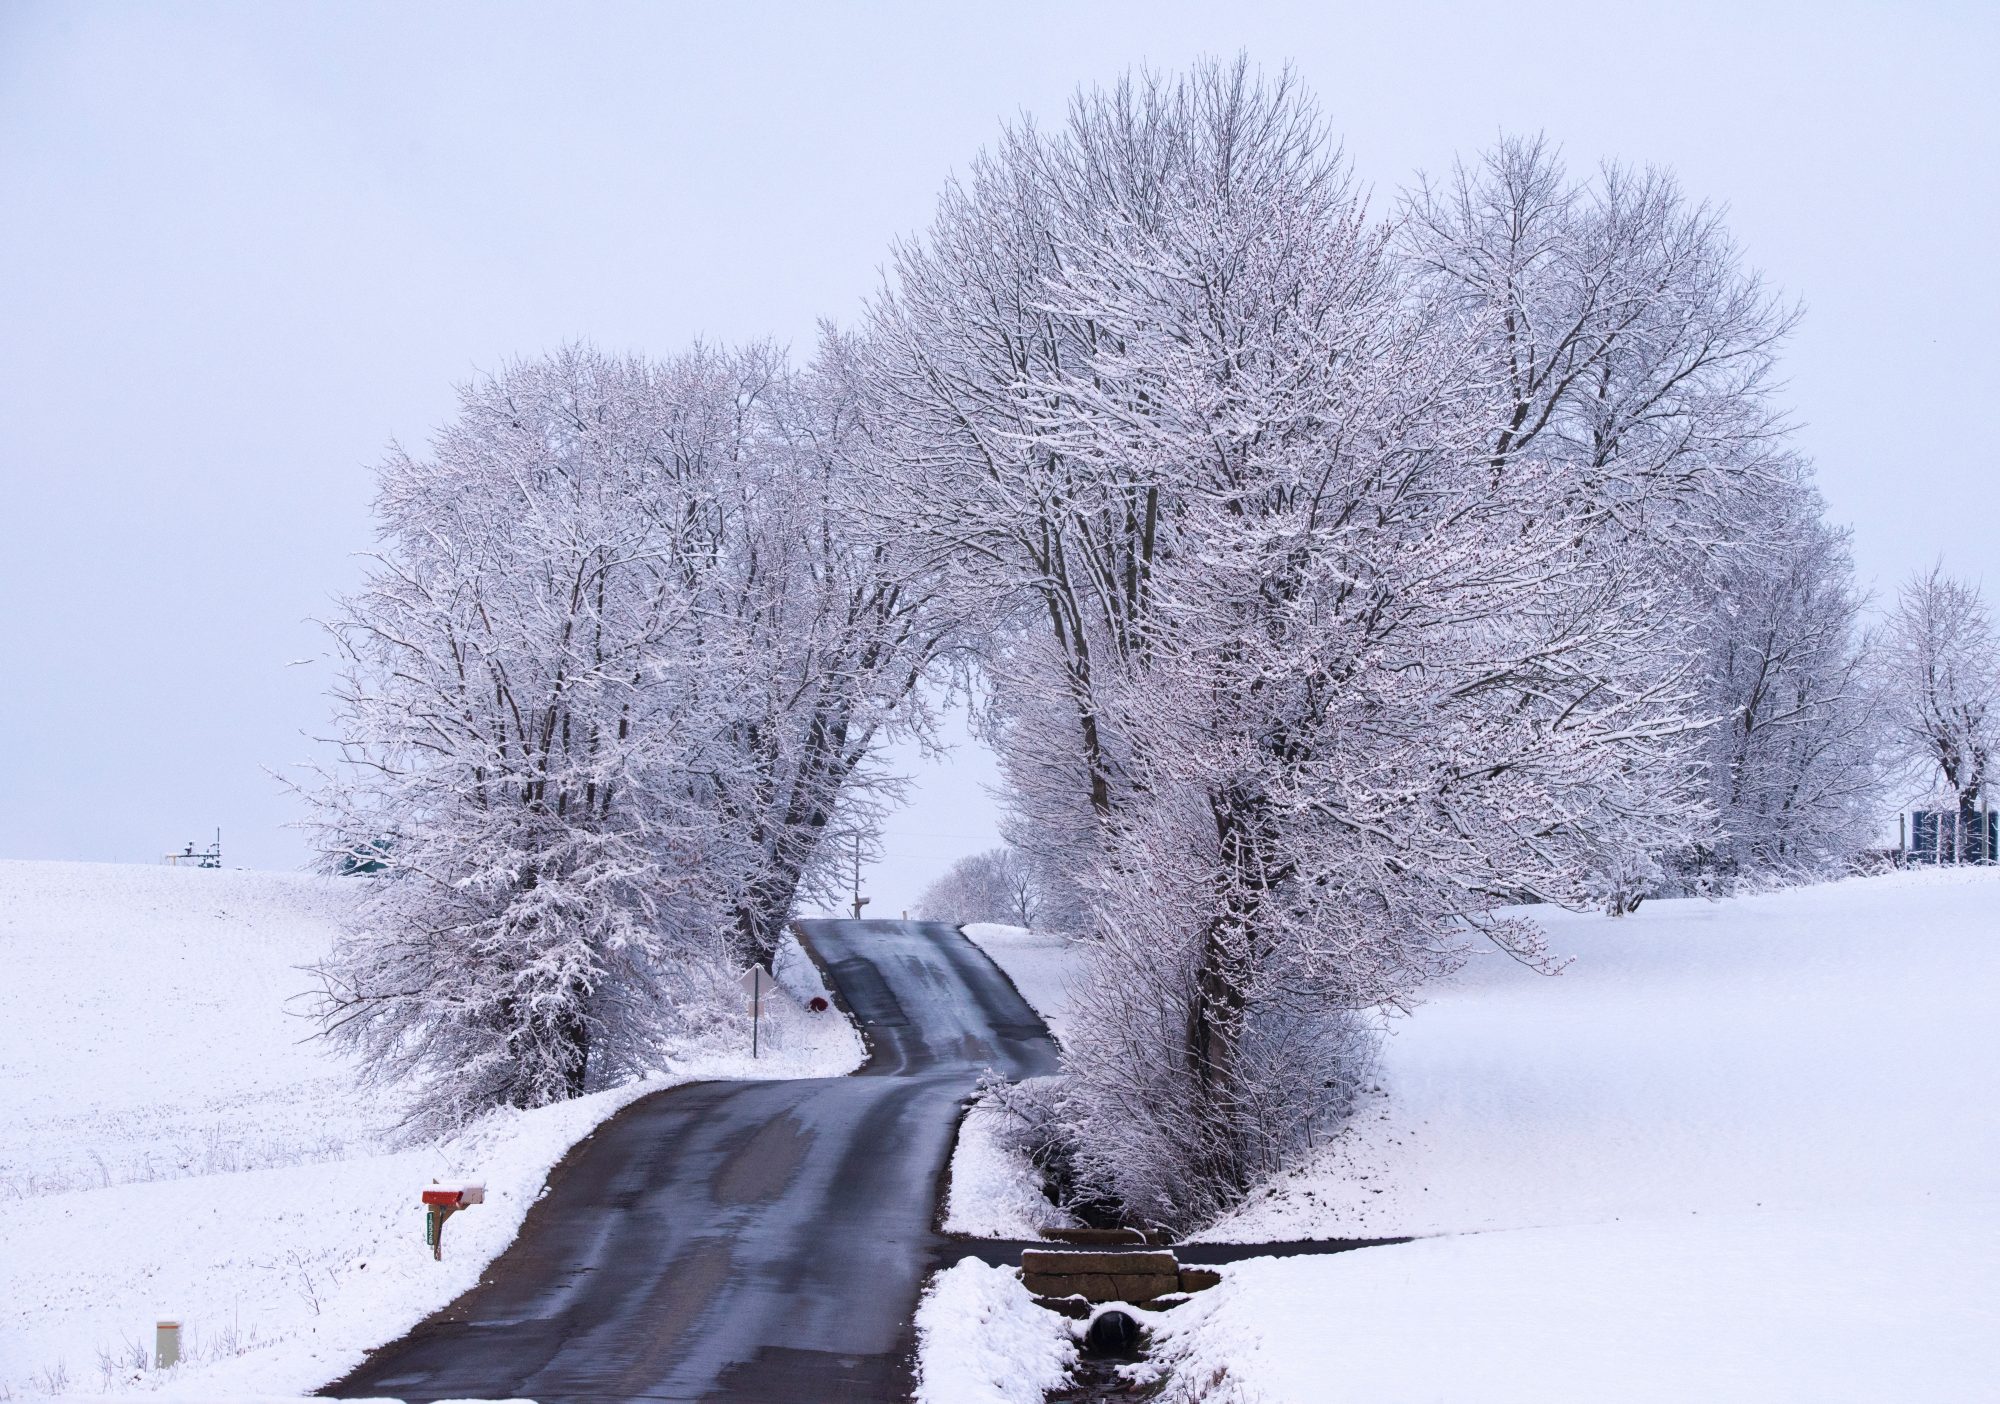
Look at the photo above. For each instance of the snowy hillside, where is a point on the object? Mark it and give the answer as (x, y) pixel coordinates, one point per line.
(143, 1026)
(172, 1144)
(1745, 1150)
(1824, 1047)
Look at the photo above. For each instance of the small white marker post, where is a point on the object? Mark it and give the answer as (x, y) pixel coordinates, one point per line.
(166, 1345)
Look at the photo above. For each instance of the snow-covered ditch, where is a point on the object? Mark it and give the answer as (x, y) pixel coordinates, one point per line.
(995, 1191)
(172, 1145)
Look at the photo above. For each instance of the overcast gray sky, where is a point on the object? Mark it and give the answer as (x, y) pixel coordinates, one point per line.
(243, 247)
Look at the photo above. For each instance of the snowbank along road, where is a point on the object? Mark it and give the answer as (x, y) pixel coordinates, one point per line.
(744, 1240)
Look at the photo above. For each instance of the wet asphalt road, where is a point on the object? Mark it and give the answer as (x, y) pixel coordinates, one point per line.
(744, 1241)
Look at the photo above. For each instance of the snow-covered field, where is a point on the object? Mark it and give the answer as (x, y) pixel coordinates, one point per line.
(173, 1146)
(1894, 1302)
(1738, 1151)
(1744, 1150)
(143, 1032)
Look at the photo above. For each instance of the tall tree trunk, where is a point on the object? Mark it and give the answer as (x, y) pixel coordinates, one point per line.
(573, 1028)
(1971, 845)
(1219, 999)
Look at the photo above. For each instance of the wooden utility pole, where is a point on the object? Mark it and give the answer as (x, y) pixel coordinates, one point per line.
(859, 900)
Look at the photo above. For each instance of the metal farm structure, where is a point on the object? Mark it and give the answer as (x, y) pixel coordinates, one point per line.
(1944, 836)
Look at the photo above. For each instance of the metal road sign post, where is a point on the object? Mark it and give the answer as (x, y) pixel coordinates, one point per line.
(755, 981)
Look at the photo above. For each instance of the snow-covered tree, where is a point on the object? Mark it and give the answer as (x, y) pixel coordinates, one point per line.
(822, 636)
(1940, 690)
(616, 671)
(1634, 357)
(1632, 351)
(519, 681)
(1334, 582)
(996, 886)
(1302, 676)
(1791, 760)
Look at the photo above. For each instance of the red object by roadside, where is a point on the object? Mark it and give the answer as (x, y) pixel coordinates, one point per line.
(443, 1196)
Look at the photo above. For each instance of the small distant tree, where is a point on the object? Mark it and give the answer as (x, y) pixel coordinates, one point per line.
(1940, 688)
(1790, 765)
(996, 886)
(1021, 886)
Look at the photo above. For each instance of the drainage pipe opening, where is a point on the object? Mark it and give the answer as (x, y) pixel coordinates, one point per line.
(1112, 1333)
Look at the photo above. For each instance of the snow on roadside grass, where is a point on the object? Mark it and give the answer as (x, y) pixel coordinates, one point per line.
(289, 1275)
(995, 1191)
(1745, 1150)
(982, 1340)
(1041, 966)
(153, 999)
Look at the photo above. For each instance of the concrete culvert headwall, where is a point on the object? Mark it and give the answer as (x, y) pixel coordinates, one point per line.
(1144, 1277)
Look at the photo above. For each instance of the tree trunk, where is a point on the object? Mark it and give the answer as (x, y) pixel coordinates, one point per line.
(1971, 846)
(574, 1031)
(1218, 1000)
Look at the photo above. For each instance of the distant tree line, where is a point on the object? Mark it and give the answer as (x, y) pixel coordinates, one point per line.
(997, 886)
(1329, 580)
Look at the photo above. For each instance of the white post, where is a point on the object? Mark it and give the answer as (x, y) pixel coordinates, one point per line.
(166, 1345)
